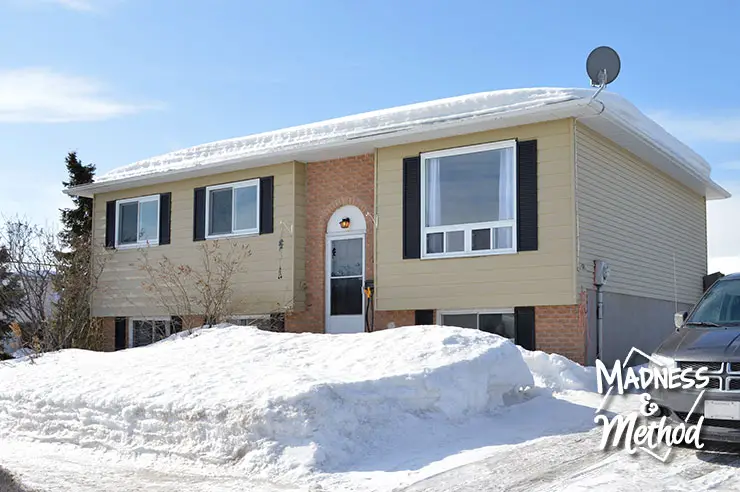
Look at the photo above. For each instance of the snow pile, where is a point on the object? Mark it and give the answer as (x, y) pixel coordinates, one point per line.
(558, 373)
(276, 403)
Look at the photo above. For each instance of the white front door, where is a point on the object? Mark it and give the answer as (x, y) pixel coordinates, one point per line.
(345, 271)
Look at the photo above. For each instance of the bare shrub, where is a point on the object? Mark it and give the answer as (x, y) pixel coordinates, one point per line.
(201, 293)
(31, 259)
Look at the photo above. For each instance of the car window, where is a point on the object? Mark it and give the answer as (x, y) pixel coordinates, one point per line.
(720, 305)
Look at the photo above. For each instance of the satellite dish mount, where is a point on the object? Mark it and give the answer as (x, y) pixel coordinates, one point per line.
(603, 67)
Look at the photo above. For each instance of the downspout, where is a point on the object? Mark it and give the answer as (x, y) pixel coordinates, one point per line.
(375, 217)
(599, 322)
(374, 220)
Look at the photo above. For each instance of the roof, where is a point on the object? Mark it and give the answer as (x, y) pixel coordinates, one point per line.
(609, 114)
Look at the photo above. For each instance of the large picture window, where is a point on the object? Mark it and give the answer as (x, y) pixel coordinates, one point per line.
(137, 222)
(232, 209)
(469, 200)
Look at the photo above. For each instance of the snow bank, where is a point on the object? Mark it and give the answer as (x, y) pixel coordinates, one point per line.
(276, 403)
(558, 373)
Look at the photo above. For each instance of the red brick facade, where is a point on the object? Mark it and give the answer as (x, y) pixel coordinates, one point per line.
(108, 325)
(561, 330)
(330, 185)
(398, 318)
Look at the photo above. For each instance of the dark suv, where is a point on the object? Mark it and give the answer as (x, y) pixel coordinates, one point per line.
(708, 337)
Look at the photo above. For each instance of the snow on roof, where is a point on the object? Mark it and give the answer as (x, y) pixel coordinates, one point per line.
(362, 132)
(402, 117)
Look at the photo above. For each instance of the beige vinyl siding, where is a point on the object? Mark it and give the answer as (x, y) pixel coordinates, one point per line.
(636, 218)
(543, 277)
(257, 290)
(299, 236)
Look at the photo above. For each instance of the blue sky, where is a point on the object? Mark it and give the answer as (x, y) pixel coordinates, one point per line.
(122, 80)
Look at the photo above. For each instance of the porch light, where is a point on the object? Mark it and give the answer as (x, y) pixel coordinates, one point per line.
(344, 223)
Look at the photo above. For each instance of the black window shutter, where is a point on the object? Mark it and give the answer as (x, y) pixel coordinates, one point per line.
(165, 214)
(175, 324)
(525, 330)
(412, 207)
(110, 224)
(424, 317)
(267, 192)
(120, 342)
(199, 214)
(526, 188)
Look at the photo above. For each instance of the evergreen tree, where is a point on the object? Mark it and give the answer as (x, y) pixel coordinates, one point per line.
(72, 280)
(77, 221)
(11, 294)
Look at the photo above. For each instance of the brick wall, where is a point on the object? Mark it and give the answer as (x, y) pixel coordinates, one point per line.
(108, 325)
(561, 330)
(398, 318)
(329, 185)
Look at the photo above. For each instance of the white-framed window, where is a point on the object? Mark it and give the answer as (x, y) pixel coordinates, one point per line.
(468, 197)
(497, 321)
(144, 331)
(233, 209)
(137, 222)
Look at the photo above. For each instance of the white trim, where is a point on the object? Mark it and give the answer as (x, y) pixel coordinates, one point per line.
(138, 200)
(233, 186)
(469, 149)
(468, 228)
(327, 273)
(130, 341)
(472, 311)
(357, 221)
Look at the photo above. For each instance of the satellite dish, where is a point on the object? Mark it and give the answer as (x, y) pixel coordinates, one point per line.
(603, 66)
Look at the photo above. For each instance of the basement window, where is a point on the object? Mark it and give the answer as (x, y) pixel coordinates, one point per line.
(137, 222)
(232, 209)
(267, 322)
(468, 199)
(145, 331)
(498, 322)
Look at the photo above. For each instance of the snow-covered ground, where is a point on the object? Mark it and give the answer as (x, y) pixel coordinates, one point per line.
(235, 408)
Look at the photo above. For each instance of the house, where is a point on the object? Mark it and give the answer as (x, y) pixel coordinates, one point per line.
(484, 211)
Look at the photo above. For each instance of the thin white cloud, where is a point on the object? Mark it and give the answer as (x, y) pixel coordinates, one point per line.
(723, 128)
(40, 95)
(723, 238)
